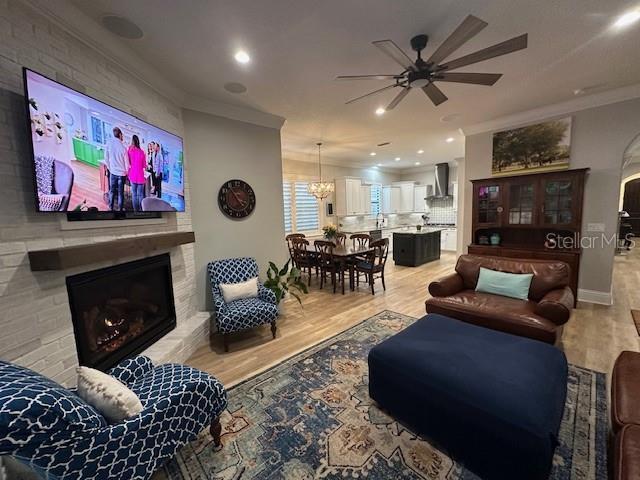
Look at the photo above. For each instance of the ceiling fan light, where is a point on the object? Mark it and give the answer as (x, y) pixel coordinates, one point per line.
(380, 111)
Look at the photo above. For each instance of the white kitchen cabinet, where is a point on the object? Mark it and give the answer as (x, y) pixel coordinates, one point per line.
(454, 192)
(395, 199)
(419, 194)
(385, 206)
(365, 199)
(348, 196)
(449, 239)
(406, 201)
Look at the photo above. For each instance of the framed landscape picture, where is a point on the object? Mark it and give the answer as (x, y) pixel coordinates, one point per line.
(542, 147)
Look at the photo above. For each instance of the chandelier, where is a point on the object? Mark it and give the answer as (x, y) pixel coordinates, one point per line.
(320, 189)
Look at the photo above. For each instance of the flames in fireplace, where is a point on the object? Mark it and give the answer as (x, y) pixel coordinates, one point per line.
(121, 310)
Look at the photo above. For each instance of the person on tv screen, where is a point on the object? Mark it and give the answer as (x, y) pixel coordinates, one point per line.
(117, 162)
(157, 165)
(137, 162)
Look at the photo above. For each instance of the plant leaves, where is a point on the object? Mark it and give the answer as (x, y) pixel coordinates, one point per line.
(285, 269)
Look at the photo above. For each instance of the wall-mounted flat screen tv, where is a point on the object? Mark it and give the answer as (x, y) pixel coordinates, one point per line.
(90, 156)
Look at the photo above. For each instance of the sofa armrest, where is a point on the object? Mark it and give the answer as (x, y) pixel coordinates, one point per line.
(446, 286)
(556, 305)
(132, 369)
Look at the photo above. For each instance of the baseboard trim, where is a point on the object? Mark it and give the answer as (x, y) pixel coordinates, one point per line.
(595, 296)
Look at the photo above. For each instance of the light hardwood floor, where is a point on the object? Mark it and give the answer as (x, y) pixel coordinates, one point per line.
(592, 338)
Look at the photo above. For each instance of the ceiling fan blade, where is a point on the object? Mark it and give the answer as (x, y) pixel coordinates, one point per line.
(468, 29)
(392, 50)
(475, 78)
(398, 98)
(370, 93)
(368, 77)
(434, 94)
(508, 46)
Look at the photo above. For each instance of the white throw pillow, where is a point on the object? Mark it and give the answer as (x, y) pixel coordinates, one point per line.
(236, 291)
(107, 395)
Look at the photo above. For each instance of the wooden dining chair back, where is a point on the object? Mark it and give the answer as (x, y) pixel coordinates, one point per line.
(290, 238)
(341, 238)
(303, 258)
(326, 261)
(360, 240)
(373, 266)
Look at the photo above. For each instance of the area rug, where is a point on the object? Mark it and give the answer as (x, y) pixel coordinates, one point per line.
(311, 417)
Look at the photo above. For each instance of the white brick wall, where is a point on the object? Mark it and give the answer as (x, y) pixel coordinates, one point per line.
(35, 322)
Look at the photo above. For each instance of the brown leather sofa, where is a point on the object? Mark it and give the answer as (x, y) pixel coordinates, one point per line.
(541, 317)
(625, 416)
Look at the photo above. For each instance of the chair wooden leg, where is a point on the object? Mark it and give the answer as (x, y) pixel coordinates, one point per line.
(384, 287)
(333, 279)
(216, 432)
(321, 279)
(309, 276)
(273, 329)
(225, 341)
(371, 281)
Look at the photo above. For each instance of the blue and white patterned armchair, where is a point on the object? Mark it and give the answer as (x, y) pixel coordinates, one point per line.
(57, 434)
(247, 312)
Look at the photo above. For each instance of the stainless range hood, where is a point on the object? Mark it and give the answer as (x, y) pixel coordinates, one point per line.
(442, 180)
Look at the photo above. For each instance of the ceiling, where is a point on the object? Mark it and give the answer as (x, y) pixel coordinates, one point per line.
(299, 46)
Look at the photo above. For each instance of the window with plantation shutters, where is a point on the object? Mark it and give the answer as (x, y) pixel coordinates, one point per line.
(301, 209)
(376, 199)
(307, 216)
(286, 195)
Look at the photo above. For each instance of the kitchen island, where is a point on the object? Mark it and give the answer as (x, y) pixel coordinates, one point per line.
(415, 247)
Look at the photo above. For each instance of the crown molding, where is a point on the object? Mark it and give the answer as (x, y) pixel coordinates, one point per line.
(233, 112)
(287, 157)
(556, 110)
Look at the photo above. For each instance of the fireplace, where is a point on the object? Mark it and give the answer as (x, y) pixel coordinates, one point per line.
(121, 310)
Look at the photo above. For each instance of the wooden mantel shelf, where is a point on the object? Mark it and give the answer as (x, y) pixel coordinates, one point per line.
(69, 257)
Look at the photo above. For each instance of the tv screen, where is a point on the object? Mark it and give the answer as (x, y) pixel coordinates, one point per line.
(89, 156)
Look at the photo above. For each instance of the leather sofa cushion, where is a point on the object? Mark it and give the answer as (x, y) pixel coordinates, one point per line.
(496, 312)
(625, 390)
(627, 454)
(547, 275)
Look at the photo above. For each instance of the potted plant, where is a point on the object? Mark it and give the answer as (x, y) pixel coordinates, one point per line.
(282, 281)
(330, 231)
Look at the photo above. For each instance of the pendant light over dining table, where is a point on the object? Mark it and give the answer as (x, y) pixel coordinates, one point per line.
(320, 189)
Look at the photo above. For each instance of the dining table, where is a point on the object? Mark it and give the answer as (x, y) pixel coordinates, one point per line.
(344, 253)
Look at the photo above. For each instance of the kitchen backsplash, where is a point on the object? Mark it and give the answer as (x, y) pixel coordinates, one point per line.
(442, 211)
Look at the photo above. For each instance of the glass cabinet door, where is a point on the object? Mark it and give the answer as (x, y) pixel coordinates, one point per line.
(489, 204)
(521, 204)
(558, 208)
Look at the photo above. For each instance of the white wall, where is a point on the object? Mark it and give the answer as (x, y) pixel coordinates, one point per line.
(598, 141)
(35, 319)
(309, 170)
(218, 150)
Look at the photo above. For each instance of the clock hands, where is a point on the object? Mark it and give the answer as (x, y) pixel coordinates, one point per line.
(240, 201)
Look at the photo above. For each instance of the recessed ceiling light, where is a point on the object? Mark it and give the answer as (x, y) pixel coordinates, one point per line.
(379, 164)
(373, 154)
(417, 163)
(627, 19)
(242, 57)
(380, 111)
(397, 159)
(420, 152)
(450, 139)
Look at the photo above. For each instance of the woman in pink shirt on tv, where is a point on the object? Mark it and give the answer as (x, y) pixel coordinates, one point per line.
(137, 162)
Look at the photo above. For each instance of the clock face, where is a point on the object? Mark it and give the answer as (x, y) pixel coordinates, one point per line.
(236, 199)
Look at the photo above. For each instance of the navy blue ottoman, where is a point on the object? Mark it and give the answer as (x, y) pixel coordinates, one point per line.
(493, 401)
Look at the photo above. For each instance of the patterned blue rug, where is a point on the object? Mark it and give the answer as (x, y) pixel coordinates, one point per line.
(311, 417)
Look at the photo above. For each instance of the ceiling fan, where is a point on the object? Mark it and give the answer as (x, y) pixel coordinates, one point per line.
(423, 74)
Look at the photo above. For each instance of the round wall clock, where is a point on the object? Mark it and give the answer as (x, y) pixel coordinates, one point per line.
(236, 199)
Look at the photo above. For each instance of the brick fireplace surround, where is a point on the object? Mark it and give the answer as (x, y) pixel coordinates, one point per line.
(35, 317)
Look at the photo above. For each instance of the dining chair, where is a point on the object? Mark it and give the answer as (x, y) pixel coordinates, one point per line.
(328, 263)
(340, 239)
(359, 240)
(302, 257)
(289, 238)
(375, 263)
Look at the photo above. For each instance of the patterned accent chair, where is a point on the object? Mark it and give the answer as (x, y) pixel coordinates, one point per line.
(54, 432)
(244, 313)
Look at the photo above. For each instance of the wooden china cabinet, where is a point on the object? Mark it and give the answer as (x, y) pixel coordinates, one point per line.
(537, 216)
